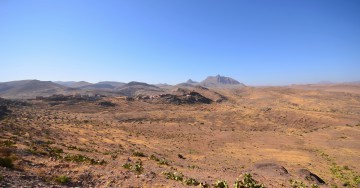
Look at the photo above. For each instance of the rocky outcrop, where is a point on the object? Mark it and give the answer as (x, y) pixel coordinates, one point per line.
(309, 176)
(188, 98)
(272, 168)
(107, 104)
(4, 111)
(182, 97)
(219, 81)
(72, 98)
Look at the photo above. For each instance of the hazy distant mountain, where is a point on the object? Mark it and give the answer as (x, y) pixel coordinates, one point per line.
(162, 85)
(98, 86)
(30, 89)
(325, 82)
(220, 81)
(190, 81)
(73, 83)
(138, 88)
(356, 82)
(26, 89)
(133, 83)
(115, 84)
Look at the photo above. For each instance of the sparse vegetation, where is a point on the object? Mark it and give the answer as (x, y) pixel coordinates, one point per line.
(136, 167)
(247, 182)
(6, 162)
(163, 162)
(8, 143)
(171, 135)
(127, 166)
(177, 176)
(62, 179)
(70, 147)
(221, 184)
(297, 184)
(204, 185)
(347, 176)
(81, 158)
(192, 166)
(153, 157)
(301, 184)
(191, 182)
(139, 154)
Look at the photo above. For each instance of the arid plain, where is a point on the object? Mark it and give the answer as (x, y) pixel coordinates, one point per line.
(282, 136)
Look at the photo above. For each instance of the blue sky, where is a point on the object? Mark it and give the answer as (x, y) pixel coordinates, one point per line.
(258, 42)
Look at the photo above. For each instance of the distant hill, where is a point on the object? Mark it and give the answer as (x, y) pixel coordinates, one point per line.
(220, 81)
(133, 83)
(190, 81)
(112, 83)
(356, 82)
(73, 83)
(27, 89)
(97, 86)
(24, 89)
(138, 88)
(325, 82)
(349, 87)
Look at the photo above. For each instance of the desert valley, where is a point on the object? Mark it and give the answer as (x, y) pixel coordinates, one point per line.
(214, 133)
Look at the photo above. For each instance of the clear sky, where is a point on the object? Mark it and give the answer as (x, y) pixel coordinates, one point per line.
(258, 42)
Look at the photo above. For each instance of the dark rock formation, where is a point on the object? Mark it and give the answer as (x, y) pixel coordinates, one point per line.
(71, 98)
(186, 98)
(4, 111)
(272, 168)
(107, 104)
(216, 81)
(309, 176)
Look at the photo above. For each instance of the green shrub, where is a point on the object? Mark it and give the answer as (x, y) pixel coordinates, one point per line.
(137, 167)
(62, 179)
(153, 157)
(204, 185)
(163, 162)
(139, 154)
(247, 182)
(191, 182)
(297, 184)
(127, 166)
(177, 176)
(8, 143)
(6, 162)
(221, 184)
(82, 158)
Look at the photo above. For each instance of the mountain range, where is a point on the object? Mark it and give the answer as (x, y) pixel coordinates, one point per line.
(26, 89)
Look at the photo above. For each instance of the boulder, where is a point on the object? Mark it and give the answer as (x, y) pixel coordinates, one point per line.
(272, 168)
(309, 176)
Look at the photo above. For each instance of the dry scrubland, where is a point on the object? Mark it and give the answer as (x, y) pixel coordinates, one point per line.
(271, 133)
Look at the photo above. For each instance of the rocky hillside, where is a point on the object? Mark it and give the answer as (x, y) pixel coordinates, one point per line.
(220, 81)
(31, 88)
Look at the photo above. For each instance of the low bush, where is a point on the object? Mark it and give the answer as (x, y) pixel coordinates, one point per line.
(6, 162)
(62, 179)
